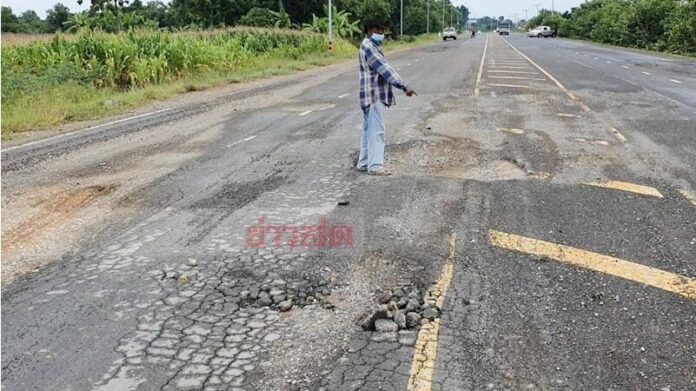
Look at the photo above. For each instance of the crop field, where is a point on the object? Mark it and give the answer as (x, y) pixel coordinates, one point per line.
(48, 81)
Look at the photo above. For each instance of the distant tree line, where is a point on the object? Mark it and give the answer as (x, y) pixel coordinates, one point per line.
(664, 25)
(118, 15)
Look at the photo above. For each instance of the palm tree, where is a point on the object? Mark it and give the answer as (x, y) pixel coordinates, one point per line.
(78, 22)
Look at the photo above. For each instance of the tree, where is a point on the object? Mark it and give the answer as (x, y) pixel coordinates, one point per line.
(342, 24)
(259, 17)
(681, 29)
(9, 20)
(30, 23)
(57, 16)
(102, 5)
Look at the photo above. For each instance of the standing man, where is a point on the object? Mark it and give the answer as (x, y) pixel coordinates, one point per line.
(376, 80)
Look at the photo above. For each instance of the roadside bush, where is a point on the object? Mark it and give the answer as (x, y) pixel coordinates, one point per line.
(666, 25)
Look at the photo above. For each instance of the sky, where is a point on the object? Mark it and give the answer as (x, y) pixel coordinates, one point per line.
(479, 8)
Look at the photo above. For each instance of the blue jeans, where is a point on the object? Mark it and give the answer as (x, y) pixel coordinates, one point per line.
(372, 139)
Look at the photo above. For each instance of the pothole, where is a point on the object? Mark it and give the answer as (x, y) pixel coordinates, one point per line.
(403, 308)
(435, 157)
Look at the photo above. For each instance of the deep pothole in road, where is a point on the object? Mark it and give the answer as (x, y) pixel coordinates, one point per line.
(402, 308)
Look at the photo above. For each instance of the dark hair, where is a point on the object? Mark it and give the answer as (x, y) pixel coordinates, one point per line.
(375, 23)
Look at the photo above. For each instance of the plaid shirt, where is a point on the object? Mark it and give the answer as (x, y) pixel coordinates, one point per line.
(376, 76)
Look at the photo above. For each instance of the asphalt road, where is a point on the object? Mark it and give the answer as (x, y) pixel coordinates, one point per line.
(541, 198)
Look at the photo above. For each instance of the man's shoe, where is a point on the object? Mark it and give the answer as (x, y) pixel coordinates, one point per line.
(380, 172)
(361, 169)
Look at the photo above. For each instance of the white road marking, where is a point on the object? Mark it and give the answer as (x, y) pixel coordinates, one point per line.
(624, 66)
(305, 113)
(646, 73)
(618, 134)
(509, 77)
(85, 129)
(408, 65)
(675, 81)
(241, 141)
(398, 69)
(596, 58)
(342, 96)
(508, 85)
(608, 62)
(480, 72)
(522, 72)
(507, 67)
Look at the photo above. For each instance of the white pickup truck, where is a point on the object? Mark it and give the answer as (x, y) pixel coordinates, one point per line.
(542, 32)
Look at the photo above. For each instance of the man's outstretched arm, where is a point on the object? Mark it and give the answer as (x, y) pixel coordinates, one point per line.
(380, 64)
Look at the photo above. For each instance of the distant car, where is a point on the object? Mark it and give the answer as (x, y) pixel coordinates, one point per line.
(542, 32)
(449, 33)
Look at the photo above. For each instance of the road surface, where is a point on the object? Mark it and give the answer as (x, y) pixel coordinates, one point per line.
(543, 199)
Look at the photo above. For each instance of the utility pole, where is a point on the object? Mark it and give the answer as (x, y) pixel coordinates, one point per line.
(526, 17)
(553, 6)
(330, 26)
(443, 15)
(537, 6)
(401, 34)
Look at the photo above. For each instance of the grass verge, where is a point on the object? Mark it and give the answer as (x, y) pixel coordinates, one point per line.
(55, 104)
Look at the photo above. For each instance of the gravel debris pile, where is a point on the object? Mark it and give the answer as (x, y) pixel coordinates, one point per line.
(402, 308)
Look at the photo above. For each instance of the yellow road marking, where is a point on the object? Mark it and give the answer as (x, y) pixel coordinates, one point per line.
(512, 130)
(647, 275)
(630, 187)
(689, 196)
(480, 73)
(507, 85)
(423, 365)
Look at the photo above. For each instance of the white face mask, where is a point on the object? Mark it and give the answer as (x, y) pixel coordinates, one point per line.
(378, 37)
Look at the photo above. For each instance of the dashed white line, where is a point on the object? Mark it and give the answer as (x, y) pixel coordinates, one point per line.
(85, 129)
(646, 73)
(624, 66)
(305, 113)
(608, 62)
(342, 96)
(675, 81)
(241, 141)
(596, 58)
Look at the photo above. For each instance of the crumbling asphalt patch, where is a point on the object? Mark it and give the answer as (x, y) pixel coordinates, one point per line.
(402, 308)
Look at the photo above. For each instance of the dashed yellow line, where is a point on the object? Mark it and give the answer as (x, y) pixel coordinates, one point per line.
(423, 365)
(647, 275)
(630, 187)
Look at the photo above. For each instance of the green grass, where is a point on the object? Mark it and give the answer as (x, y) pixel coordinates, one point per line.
(47, 84)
